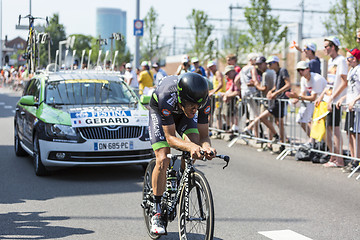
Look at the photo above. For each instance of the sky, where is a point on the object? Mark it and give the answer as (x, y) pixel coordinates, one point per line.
(79, 16)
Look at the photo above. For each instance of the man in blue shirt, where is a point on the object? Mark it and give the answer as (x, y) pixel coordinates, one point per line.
(196, 65)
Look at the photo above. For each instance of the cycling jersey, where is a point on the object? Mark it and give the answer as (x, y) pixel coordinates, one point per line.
(165, 110)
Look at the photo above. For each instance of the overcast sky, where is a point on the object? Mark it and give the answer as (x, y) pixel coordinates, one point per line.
(79, 16)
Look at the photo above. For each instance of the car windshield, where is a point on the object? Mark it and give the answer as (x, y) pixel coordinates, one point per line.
(86, 92)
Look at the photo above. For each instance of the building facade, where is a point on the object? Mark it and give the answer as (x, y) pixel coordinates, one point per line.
(108, 21)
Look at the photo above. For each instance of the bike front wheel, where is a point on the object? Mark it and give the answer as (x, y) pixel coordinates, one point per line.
(200, 222)
(147, 198)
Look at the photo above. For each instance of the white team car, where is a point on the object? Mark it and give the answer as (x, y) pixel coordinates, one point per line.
(81, 119)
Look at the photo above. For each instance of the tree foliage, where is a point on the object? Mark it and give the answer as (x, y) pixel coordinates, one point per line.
(150, 45)
(202, 45)
(343, 21)
(264, 29)
(236, 41)
(57, 34)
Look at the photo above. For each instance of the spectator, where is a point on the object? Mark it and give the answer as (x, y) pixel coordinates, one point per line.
(219, 88)
(312, 85)
(230, 99)
(231, 59)
(357, 37)
(352, 97)
(159, 73)
(146, 78)
(196, 65)
(248, 90)
(337, 83)
(184, 67)
(264, 80)
(131, 77)
(278, 108)
(314, 61)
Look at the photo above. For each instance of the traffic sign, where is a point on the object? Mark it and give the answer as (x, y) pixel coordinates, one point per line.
(138, 27)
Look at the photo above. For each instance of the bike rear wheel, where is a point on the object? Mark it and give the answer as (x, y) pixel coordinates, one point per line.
(200, 223)
(147, 197)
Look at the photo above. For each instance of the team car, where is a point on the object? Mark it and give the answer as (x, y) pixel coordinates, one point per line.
(81, 119)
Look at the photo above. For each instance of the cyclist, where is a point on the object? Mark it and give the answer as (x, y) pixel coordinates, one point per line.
(181, 104)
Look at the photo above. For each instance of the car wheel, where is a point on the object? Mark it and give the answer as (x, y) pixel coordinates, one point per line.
(39, 168)
(19, 151)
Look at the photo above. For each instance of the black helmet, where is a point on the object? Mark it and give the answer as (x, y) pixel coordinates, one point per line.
(192, 87)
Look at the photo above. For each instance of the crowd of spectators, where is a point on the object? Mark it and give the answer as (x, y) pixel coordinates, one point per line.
(14, 77)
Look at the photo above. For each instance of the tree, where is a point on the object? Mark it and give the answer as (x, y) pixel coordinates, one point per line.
(57, 34)
(236, 41)
(150, 43)
(343, 20)
(202, 45)
(264, 28)
(124, 53)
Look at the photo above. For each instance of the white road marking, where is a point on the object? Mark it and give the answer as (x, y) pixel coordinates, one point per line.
(284, 235)
(2, 103)
(8, 107)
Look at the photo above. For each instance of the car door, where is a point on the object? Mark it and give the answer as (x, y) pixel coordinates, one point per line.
(21, 112)
(30, 117)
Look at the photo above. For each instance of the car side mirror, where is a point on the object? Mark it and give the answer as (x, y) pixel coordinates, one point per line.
(145, 99)
(28, 100)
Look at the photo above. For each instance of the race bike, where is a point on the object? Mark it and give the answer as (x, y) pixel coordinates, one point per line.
(187, 196)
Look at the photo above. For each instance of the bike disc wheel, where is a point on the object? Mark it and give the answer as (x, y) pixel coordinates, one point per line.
(148, 194)
(200, 223)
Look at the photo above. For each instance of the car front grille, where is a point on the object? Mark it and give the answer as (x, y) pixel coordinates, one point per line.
(119, 132)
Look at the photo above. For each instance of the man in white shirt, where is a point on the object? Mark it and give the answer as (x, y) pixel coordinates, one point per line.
(130, 76)
(312, 85)
(337, 84)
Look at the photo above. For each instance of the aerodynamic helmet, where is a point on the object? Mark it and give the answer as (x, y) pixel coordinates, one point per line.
(193, 88)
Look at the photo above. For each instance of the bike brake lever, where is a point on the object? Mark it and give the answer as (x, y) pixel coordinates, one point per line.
(225, 158)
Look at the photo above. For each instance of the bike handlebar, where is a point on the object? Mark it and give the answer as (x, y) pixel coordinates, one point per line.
(185, 154)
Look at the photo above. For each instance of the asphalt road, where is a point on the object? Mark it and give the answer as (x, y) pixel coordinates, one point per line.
(254, 197)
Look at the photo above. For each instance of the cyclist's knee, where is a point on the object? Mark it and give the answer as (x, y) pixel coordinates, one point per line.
(162, 161)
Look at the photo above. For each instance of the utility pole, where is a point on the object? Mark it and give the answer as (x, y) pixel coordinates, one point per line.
(1, 55)
(174, 42)
(137, 38)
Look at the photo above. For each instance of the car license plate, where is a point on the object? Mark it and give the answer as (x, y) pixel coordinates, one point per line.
(113, 146)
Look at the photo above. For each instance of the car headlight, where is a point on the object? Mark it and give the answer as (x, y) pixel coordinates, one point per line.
(60, 131)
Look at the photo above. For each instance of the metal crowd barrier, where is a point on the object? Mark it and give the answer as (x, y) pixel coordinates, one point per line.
(295, 136)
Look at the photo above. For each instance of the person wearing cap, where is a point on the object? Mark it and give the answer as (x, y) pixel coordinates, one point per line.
(314, 61)
(146, 77)
(231, 59)
(248, 90)
(278, 108)
(130, 76)
(311, 86)
(264, 80)
(159, 73)
(352, 97)
(219, 89)
(196, 65)
(184, 67)
(230, 100)
(336, 89)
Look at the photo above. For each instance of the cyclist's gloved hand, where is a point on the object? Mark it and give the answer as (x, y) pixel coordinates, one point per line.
(210, 152)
